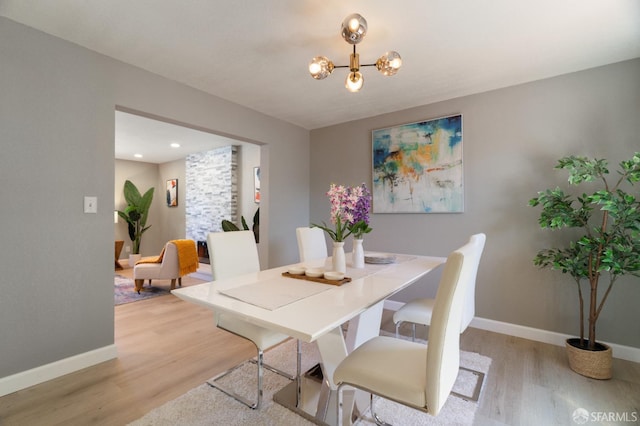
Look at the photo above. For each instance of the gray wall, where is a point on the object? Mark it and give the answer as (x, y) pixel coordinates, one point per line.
(512, 139)
(57, 136)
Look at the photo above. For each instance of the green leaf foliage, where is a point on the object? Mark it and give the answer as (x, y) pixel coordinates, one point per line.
(228, 226)
(136, 213)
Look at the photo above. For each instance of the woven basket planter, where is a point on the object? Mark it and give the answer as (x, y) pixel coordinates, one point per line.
(594, 364)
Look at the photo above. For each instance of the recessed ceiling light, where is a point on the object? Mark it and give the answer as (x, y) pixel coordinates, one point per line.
(137, 155)
(175, 145)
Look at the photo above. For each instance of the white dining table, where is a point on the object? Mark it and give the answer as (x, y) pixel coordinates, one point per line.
(314, 314)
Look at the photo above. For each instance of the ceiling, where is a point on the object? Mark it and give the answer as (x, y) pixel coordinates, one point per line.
(256, 53)
(152, 139)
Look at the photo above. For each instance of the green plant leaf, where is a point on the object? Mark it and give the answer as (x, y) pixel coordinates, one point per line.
(227, 226)
(131, 194)
(136, 213)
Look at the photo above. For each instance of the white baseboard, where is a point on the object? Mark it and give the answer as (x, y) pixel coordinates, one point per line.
(41, 374)
(619, 351)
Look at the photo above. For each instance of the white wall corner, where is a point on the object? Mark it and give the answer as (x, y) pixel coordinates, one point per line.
(619, 351)
(46, 372)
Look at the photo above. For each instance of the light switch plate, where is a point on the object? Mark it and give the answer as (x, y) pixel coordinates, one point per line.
(91, 204)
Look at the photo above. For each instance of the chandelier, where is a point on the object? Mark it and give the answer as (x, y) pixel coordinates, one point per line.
(354, 28)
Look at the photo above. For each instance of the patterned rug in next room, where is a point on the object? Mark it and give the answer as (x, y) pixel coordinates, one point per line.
(124, 291)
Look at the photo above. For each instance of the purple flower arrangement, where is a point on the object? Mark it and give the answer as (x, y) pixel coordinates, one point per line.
(350, 208)
(359, 223)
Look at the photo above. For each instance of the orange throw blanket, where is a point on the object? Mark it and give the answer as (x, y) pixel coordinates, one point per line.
(187, 256)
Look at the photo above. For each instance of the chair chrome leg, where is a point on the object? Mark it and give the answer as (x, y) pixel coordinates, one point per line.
(377, 419)
(259, 361)
(340, 409)
(298, 372)
(253, 405)
(275, 370)
(260, 377)
(476, 391)
(339, 406)
(413, 330)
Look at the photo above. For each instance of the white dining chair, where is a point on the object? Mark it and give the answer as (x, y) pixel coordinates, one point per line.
(231, 254)
(419, 311)
(416, 375)
(312, 245)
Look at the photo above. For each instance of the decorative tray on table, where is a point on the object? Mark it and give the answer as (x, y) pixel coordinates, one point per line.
(317, 279)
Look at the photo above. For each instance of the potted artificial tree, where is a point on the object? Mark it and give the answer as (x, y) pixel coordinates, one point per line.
(606, 248)
(136, 215)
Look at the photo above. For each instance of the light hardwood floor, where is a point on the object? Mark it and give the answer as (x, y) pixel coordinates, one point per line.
(167, 347)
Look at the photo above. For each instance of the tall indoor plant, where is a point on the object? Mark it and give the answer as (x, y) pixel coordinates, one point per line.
(136, 213)
(608, 244)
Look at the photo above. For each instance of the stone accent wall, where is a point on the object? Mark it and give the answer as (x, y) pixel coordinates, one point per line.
(211, 191)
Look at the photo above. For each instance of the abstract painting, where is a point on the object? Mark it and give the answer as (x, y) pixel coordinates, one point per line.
(417, 167)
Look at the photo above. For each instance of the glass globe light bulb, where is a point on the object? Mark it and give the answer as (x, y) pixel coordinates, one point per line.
(389, 63)
(320, 67)
(354, 28)
(354, 81)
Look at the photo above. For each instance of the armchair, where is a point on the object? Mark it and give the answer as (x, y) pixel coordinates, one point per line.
(178, 258)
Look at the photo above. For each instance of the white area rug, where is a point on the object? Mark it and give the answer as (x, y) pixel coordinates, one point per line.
(206, 406)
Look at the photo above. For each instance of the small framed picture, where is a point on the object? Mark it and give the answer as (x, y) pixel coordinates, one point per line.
(172, 192)
(256, 185)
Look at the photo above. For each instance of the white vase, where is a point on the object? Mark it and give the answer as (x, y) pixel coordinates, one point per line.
(338, 258)
(133, 258)
(357, 255)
